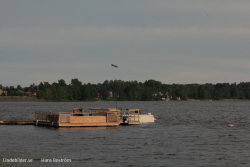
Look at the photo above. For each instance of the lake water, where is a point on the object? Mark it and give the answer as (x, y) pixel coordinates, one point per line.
(185, 134)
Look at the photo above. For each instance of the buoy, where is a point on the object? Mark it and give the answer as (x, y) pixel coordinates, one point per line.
(230, 124)
(155, 119)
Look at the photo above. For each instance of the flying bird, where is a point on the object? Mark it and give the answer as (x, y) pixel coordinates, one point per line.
(114, 65)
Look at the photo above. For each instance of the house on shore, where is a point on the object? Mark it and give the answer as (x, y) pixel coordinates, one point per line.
(30, 91)
(3, 92)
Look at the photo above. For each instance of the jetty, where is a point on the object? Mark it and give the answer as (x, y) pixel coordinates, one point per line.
(94, 117)
(79, 117)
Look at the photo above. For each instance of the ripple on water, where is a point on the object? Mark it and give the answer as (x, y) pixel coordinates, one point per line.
(185, 134)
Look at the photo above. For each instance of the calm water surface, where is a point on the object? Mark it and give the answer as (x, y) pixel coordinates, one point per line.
(185, 134)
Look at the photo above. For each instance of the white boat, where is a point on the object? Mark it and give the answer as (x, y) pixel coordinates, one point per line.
(147, 118)
(134, 116)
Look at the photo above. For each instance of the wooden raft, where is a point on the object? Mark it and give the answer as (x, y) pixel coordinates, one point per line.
(95, 117)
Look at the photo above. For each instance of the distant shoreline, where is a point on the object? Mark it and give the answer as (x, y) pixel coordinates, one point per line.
(20, 99)
(34, 99)
(217, 100)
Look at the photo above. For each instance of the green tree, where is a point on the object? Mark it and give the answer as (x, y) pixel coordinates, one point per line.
(147, 94)
(89, 92)
(76, 89)
(203, 94)
(235, 93)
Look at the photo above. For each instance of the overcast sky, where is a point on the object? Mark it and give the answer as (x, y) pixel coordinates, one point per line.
(172, 41)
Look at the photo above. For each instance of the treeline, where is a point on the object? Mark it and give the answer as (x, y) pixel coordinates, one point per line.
(134, 91)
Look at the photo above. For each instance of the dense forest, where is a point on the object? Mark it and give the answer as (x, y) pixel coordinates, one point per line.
(133, 91)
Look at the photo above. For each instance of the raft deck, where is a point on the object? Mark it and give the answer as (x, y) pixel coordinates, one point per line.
(78, 117)
(93, 118)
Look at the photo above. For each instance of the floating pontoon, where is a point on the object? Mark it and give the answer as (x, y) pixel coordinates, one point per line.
(78, 117)
(94, 117)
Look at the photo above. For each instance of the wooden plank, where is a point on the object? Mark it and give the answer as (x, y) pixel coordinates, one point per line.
(132, 109)
(88, 124)
(63, 117)
(88, 119)
(76, 124)
(16, 122)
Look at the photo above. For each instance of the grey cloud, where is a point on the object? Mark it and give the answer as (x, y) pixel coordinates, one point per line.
(171, 41)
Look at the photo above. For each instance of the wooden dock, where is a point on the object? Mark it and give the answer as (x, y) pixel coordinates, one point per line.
(93, 118)
(78, 117)
(16, 122)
